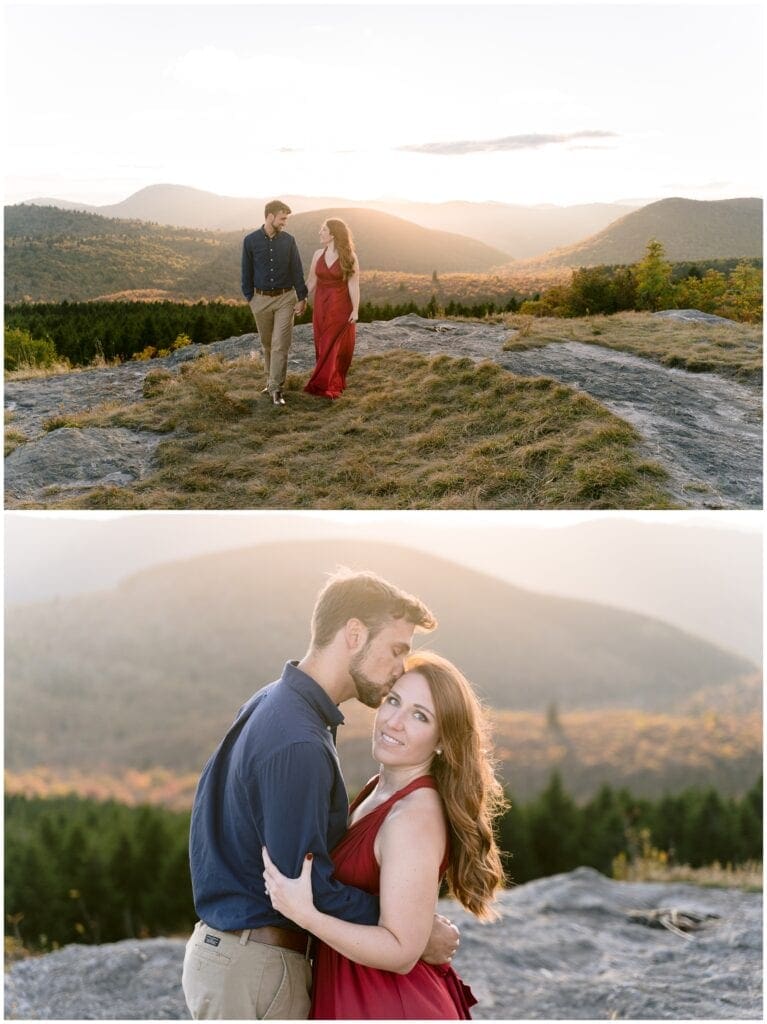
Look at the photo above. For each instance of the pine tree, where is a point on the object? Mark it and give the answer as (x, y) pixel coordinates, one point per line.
(653, 278)
(553, 824)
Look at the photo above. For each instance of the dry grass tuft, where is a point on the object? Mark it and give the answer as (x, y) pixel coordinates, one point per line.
(12, 437)
(734, 350)
(410, 432)
(746, 876)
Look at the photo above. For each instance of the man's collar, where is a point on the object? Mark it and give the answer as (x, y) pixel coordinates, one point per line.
(313, 693)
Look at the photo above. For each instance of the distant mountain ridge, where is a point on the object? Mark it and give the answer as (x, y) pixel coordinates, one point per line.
(689, 230)
(53, 254)
(385, 242)
(151, 672)
(521, 231)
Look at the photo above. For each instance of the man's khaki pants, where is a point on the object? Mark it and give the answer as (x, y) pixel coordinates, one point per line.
(241, 980)
(274, 320)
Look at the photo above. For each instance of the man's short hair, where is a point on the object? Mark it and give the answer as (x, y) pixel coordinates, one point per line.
(367, 597)
(276, 206)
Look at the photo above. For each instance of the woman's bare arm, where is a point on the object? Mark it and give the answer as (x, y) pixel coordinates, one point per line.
(354, 292)
(410, 845)
(311, 280)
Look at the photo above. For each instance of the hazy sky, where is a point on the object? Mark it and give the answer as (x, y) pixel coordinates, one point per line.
(525, 104)
(698, 571)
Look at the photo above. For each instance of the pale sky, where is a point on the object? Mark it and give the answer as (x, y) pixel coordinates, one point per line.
(559, 104)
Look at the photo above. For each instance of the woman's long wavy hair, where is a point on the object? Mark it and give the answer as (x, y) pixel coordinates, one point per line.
(465, 777)
(344, 243)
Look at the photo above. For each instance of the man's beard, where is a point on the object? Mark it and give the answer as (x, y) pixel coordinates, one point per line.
(368, 693)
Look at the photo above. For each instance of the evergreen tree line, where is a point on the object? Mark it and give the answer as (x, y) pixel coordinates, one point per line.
(80, 333)
(734, 292)
(84, 332)
(85, 871)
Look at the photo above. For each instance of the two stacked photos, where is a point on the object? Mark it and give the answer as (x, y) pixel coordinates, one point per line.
(383, 512)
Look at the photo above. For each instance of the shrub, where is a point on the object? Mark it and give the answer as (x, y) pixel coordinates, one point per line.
(22, 350)
(149, 352)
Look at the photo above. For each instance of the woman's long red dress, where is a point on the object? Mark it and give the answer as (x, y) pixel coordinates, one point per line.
(334, 335)
(344, 990)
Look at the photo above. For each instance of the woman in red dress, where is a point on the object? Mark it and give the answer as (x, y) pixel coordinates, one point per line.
(334, 288)
(427, 817)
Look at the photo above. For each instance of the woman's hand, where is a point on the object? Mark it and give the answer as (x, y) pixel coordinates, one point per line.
(291, 896)
(353, 318)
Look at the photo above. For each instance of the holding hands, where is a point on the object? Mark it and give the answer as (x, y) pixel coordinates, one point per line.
(291, 896)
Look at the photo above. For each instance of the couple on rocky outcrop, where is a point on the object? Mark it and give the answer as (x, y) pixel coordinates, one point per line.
(273, 284)
(350, 930)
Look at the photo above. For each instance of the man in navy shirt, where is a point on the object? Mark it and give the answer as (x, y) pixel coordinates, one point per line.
(275, 781)
(273, 283)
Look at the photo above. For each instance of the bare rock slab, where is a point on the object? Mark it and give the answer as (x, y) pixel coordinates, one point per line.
(130, 980)
(72, 460)
(564, 949)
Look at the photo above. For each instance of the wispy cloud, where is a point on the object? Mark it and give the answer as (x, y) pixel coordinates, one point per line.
(508, 144)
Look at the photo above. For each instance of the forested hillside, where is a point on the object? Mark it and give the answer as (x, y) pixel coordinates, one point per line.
(53, 254)
(688, 229)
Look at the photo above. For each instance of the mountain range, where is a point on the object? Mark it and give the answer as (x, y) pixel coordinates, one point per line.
(54, 254)
(150, 672)
(520, 231)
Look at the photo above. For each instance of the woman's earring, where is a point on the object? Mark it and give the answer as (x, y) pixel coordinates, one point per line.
(438, 750)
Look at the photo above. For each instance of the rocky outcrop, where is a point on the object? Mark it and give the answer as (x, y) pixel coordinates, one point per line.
(566, 947)
(72, 460)
(705, 430)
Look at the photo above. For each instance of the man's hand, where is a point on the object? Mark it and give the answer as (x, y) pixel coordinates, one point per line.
(300, 308)
(443, 942)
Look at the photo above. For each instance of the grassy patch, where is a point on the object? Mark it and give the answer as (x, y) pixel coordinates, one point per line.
(12, 438)
(746, 876)
(734, 350)
(410, 432)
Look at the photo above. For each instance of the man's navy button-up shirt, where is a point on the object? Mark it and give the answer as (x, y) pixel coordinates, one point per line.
(269, 263)
(274, 781)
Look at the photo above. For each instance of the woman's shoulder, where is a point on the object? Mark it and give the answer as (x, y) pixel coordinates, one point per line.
(419, 813)
(424, 802)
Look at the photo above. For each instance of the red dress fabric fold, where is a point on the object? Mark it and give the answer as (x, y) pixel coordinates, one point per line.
(334, 335)
(344, 990)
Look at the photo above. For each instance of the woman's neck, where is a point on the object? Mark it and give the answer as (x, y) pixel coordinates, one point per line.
(391, 780)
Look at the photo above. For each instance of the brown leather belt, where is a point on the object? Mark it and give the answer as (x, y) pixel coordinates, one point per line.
(272, 291)
(271, 935)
